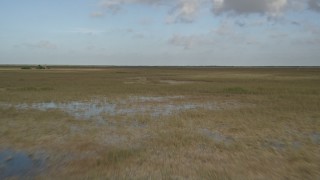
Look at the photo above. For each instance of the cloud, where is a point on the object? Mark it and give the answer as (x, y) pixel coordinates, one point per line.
(224, 29)
(219, 37)
(111, 5)
(44, 44)
(115, 5)
(185, 11)
(87, 31)
(245, 7)
(314, 5)
(188, 42)
(240, 23)
(97, 14)
(185, 41)
(295, 23)
(227, 32)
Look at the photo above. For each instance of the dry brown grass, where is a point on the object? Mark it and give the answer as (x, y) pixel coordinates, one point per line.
(267, 125)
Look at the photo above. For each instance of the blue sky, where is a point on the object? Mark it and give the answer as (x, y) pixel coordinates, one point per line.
(160, 32)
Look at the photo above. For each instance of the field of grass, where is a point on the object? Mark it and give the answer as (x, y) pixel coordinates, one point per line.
(165, 123)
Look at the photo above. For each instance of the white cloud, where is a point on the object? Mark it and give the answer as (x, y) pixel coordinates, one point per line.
(185, 11)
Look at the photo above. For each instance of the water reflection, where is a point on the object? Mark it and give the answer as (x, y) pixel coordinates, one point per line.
(80, 110)
(154, 106)
(18, 164)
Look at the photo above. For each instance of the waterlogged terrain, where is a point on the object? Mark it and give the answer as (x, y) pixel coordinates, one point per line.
(98, 107)
(20, 164)
(160, 123)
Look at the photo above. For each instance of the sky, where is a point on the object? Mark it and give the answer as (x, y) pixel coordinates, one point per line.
(160, 32)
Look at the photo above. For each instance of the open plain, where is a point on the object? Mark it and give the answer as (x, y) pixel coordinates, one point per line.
(160, 123)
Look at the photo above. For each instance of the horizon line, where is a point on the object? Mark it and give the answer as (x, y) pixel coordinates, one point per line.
(105, 66)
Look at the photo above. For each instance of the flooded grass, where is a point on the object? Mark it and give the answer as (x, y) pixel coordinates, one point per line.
(96, 108)
(154, 123)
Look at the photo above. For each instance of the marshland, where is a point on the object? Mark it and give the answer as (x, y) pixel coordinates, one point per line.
(160, 123)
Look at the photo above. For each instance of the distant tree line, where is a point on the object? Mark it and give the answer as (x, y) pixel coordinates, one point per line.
(36, 67)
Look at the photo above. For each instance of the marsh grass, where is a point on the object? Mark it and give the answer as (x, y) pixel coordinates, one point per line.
(266, 127)
(236, 90)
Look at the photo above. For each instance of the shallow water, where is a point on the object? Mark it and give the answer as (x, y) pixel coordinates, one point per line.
(18, 164)
(153, 98)
(80, 110)
(96, 109)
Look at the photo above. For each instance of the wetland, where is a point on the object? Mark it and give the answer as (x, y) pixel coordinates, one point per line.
(160, 123)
